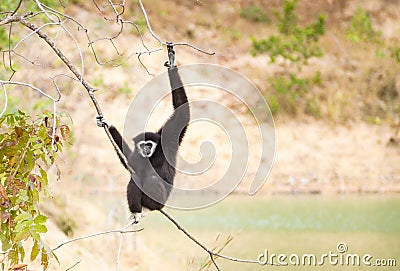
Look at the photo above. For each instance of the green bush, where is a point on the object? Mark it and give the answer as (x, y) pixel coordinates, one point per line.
(360, 28)
(295, 43)
(292, 94)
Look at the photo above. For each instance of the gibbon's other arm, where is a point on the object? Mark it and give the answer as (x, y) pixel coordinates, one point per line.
(176, 125)
(121, 143)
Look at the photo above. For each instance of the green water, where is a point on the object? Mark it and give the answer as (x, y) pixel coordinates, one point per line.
(281, 225)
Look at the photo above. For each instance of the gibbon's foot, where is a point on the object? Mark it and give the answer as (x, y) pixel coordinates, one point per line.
(102, 122)
(144, 212)
(136, 217)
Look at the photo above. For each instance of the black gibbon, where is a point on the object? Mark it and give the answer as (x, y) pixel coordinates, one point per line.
(154, 156)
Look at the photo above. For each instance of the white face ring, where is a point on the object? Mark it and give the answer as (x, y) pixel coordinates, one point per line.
(142, 147)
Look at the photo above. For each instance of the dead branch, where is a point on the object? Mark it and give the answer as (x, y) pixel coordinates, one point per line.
(72, 266)
(213, 255)
(164, 42)
(121, 231)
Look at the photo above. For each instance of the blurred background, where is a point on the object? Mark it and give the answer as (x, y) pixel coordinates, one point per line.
(330, 72)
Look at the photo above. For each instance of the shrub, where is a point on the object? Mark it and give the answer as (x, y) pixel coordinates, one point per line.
(27, 151)
(360, 28)
(296, 43)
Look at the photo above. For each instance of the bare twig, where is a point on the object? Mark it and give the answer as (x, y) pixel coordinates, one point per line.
(194, 47)
(9, 53)
(21, 56)
(72, 266)
(13, 18)
(17, 8)
(121, 231)
(163, 42)
(45, 11)
(148, 23)
(120, 242)
(211, 253)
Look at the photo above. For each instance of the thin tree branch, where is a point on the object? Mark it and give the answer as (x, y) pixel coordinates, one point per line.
(121, 231)
(75, 264)
(9, 53)
(17, 8)
(148, 23)
(194, 47)
(14, 18)
(163, 42)
(209, 251)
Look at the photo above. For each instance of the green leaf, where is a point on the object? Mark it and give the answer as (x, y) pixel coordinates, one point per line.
(34, 251)
(23, 235)
(33, 139)
(45, 260)
(40, 219)
(13, 256)
(21, 251)
(22, 226)
(22, 217)
(43, 175)
(5, 244)
(39, 228)
(37, 152)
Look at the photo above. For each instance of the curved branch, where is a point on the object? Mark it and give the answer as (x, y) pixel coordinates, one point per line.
(17, 8)
(213, 255)
(148, 23)
(163, 42)
(194, 47)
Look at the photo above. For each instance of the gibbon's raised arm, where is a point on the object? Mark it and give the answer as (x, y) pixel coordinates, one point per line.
(177, 123)
(122, 145)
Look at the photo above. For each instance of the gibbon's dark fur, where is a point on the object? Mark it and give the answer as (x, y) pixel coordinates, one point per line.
(154, 173)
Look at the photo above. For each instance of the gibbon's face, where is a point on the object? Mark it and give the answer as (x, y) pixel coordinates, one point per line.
(146, 148)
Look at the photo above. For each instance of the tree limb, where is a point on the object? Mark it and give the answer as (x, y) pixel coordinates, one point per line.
(211, 253)
(71, 67)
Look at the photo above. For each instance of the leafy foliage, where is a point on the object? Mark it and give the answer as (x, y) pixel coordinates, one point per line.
(296, 43)
(292, 93)
(26, 150)
(360, 28)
